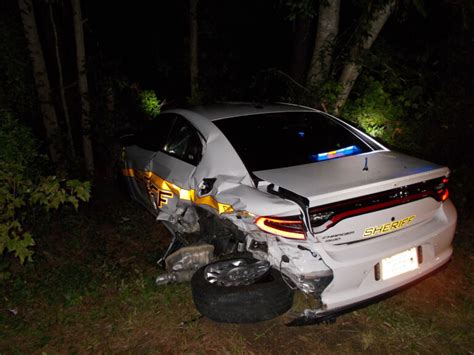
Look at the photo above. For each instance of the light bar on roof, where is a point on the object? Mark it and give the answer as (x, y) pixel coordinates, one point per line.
(351, 150)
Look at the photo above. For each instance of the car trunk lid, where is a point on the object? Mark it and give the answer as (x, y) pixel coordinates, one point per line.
(339, 179)
(348, 196)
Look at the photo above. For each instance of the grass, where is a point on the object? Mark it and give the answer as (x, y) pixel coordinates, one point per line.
(91, 289)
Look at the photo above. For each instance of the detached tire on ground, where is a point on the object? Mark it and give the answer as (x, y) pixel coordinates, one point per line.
(263, 300)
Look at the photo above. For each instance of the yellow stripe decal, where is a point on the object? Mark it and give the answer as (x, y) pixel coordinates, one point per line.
(160, 184)
(128, 172)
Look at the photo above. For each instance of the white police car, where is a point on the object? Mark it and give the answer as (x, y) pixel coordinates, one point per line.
(288, 197)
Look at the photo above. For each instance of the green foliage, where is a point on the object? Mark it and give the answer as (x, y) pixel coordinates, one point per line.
(18, 145)
(375, 110)
(327, 93)
(24, 192)
(150, 103)
(388, 101)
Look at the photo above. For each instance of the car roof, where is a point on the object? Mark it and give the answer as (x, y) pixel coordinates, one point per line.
(222, 110)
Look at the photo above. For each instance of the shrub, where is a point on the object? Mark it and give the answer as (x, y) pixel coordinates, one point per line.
(150, 103)
(25, 191)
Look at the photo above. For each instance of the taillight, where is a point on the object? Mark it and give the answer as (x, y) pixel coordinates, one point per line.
(445, 196)
(442, 192)
(291, 228)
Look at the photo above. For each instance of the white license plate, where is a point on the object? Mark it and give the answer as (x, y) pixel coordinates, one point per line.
(399, 264)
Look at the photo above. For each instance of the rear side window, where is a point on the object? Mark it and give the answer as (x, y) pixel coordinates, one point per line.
(155, 131)
(271, 141)
(183, 142)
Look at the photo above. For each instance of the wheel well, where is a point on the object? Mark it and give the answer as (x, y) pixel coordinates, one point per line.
(221, 233)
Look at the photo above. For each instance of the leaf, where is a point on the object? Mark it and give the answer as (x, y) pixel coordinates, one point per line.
(23, 253)
(73, 183)
(83, 194)
(73, 201)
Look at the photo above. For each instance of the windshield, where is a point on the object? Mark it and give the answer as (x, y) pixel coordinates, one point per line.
(276, 140)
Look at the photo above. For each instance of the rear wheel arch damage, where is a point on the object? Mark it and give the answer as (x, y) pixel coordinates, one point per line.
(210, 211)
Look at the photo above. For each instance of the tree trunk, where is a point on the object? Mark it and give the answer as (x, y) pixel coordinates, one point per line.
(352, 69)
(43, 87)
(83, 88)
(328, 27)
(300, 48)
(62, 93)
(193, 51)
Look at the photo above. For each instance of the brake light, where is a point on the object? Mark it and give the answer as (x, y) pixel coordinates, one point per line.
(287, 228)
(445, 195)
(442, 192)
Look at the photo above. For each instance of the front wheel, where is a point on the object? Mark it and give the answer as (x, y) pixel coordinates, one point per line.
(265, 298)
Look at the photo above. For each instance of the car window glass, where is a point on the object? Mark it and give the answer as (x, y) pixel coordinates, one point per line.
(183, 142)
(276, 140)
(155, 131)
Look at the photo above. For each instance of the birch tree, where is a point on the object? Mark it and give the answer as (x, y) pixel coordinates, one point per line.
(83, 87)
(324, 68)
(43, 87)
(352, 69)
(326, 34)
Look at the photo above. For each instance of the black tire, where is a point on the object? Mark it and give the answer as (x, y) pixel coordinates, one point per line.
(263, 300)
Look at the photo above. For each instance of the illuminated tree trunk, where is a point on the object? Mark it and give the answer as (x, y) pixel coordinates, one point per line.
(83, 88)
(62, 93)
(328, 28)
(43, 87)
(193, 51)
(352, 69)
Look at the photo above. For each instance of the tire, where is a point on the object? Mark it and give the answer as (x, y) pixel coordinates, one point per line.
(263, 300)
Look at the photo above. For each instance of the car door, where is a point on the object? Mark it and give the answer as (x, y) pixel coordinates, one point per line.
(172, 169)
(163, 171)
(138, 154)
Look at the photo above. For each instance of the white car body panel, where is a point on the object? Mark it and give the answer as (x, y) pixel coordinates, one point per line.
(353, 265)
(335, 180)
(336, 265)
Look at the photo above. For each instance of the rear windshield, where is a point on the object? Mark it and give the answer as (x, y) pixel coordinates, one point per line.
(276, 140)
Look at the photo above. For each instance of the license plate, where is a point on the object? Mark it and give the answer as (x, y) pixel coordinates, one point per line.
(399, 264)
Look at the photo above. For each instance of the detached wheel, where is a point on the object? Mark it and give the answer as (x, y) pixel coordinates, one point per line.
(240, 291)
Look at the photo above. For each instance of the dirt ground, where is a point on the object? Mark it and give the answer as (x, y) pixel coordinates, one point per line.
(91, 290)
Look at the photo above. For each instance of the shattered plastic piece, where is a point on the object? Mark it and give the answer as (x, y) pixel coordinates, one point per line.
(13, 311)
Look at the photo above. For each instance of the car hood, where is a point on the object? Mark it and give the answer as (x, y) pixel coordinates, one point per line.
(339, 179)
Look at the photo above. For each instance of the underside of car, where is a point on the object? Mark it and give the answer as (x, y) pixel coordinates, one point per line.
(253, 219)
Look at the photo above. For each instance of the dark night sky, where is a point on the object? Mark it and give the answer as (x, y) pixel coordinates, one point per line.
(150, 41)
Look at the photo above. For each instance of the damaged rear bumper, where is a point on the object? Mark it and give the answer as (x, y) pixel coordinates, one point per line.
(312, 317)
(354, 266)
